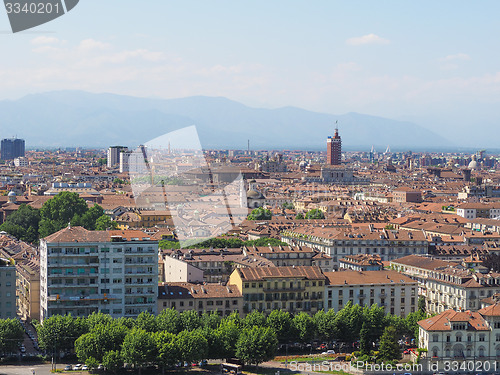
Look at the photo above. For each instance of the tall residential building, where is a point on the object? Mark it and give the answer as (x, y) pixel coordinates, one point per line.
(114, 272)
(7, 289)
(12, 148)
(114, 155)
(334, 149)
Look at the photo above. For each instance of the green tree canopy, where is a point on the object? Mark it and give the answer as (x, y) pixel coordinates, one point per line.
(389, 347)
(11, 335)
(23, 223)
(281, 322)
(256, 345)
(139, 348)
(192, 345)
(315, 214)
(260, 214)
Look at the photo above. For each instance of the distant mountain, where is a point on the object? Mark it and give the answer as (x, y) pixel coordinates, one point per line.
(76, 118)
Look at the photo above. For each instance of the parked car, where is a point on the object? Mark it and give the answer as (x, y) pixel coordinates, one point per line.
(67, 368)
(77, 367)
(85, 368)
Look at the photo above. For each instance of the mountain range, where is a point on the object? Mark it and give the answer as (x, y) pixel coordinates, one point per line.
(77, 118)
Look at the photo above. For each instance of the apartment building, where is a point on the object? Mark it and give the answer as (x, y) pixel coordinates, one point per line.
(459, 289)
(294, 289)
(114, 272)
(28, 288)
(222, 299)
(7, 289)
(396, 293)
(462, 336)
(479, 210)
(341, 242)
(210, 265)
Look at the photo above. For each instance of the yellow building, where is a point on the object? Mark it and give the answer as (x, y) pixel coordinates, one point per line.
(294, 289)
(142, 219)
(28, 289)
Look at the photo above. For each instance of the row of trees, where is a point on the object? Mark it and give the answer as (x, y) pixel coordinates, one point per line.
(221, 243)
(11, 335)
(29, 224)
(173, 337)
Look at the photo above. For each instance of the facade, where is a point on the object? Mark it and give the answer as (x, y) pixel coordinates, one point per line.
(21, 161)
(479, 210)
(114, 155)
(459, 289)
(223, 299)
(462, 337)
(334, 149)
(340, 242)
(28, 289)
(7, 290)
(12, 148)
(396, 293)
(124, 158)
(295, 289)
(405, 194)
(114, 272)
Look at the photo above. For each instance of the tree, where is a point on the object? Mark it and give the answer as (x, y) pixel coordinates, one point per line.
(227, 334)
(89, 218)
(256, 345)
(139, 348)
(315, 214)
(260, 214)
(281, 323)
(112, 361)
(304, 326)
(421, 304)
(146, 321)
(118, 181)
(104, 222)
(255, 318)
(59, 332)
(57, 212)
(365, 342)
(11, 335)
(23, 223)
(192, 345)
(389, 347)
(324, 324)
(299, 216)
(167, 349)
(190, 320)
(169, 320)
(210, 320)
(287, 206)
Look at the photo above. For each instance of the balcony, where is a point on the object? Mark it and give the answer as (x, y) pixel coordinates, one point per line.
(382, 295)
(286, 289)
(362, 295)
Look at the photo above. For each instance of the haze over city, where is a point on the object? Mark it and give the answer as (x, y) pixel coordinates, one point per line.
(435, 65)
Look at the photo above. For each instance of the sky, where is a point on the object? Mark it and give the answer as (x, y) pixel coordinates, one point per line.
(434, 63)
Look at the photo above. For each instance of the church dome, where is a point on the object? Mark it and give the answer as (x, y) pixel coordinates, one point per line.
(254, 194)
(11, 194)
(473, 164)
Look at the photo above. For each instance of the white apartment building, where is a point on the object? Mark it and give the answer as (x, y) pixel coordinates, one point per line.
(395, 292)
(479, 210)
(463, 337)
(340, 242)
(114, 272)
(459, 289)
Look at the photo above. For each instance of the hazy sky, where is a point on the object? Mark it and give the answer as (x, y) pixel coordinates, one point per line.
(437, 62)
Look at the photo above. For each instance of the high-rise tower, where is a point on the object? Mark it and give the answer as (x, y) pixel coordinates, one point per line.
(334, 149)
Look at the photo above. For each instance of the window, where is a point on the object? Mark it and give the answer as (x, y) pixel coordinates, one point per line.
(435, 338)
(481, 337)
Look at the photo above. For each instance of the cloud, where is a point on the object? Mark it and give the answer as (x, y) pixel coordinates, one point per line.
(44, 40)
(366, 39)
(455, 57)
